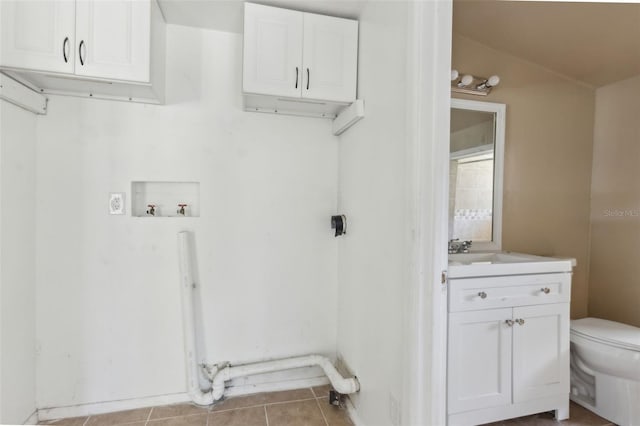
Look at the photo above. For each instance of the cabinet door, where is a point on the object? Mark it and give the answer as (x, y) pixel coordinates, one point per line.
(540, 351)
(479, 360)
(113, 39)
(330, 58)
(38, 35)
(272, 51)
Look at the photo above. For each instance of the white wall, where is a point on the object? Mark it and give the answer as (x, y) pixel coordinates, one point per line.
(108, 303)
(372, 194)
(17, 264)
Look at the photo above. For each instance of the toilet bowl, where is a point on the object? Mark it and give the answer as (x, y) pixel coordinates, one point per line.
(605, 369)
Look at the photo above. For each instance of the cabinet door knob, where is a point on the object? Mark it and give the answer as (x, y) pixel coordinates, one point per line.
(307, 78)
(482, 295)
(509, 322)
(65, 49)
(296, 77)
(80, 52)
(520, 321)
(545, 290)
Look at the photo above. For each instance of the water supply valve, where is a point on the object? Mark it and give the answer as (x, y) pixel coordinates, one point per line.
(152, 209)
(181, 209)
(335, 398)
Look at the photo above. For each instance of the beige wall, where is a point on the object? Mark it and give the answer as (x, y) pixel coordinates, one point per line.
(548, 153)
(614, 290)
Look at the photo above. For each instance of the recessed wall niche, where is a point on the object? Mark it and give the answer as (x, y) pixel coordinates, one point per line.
(165, 199)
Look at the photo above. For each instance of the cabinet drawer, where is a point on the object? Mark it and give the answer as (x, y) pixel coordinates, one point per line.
(467, 294)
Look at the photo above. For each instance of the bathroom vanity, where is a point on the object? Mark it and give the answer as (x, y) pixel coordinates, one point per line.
(508, 336)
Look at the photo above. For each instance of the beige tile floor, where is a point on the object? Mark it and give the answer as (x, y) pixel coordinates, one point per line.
(579, 416)
(300, 407)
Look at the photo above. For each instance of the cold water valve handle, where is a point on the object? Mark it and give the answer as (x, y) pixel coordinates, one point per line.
(339, 223)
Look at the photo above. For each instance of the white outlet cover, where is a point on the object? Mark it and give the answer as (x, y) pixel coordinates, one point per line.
(116, 203)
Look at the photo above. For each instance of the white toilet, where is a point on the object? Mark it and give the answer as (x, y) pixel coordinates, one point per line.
(605, 369)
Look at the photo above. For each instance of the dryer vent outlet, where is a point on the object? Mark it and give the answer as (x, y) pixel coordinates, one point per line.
(339, 223)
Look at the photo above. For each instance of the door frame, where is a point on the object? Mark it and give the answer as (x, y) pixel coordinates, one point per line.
(428, 115)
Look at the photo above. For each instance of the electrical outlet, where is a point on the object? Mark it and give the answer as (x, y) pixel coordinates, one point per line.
(116, 203)
(394, 410)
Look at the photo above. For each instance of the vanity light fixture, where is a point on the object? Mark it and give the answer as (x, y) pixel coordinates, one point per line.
(471, 85)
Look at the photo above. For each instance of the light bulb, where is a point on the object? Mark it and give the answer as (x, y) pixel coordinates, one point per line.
(493, 81)
(465, 80)
(454, 75)
(488, 83)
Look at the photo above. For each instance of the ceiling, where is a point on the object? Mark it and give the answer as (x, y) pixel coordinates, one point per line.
(226, 15)
(594, 43)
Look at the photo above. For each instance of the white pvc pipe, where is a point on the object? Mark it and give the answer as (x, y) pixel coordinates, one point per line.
(340, 384)
(188, 323)
(219, 377)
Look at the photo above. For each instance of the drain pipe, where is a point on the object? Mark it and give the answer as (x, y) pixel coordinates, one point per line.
(187, 285)
(218, 376)
(340, 384)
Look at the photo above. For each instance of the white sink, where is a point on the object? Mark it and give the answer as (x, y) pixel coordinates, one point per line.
(464, 265)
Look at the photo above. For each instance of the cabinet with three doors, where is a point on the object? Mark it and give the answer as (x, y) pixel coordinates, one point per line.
(508, 350)
(87, 47)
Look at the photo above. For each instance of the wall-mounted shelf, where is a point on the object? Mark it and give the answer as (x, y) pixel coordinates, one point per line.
(165, 199)
(344, 115)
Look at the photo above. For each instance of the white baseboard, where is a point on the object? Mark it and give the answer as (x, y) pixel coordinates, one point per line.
(271, 382)
(33, 419)
(110, 406)
(353, 413)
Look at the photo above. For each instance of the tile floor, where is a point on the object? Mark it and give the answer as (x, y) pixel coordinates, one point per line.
(300, 407)
(579, 416)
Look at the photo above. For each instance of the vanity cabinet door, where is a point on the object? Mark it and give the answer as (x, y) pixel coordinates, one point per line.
(272, 51)
(540, 351)
(37, 35)
(113, 39)
(479, 359)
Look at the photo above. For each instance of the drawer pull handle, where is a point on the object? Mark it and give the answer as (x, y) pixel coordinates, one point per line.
(545, 290)
(482, 295)
(509, 322)
(520, 321)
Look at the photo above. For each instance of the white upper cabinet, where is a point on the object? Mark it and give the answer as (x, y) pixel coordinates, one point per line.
(38, 35)
(113, 39)
(299, 55)
(272, 51)
(74, 47)
(330, 58)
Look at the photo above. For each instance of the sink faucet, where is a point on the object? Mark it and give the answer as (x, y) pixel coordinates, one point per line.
(457, 246)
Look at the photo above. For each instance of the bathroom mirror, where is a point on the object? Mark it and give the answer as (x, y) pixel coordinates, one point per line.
(475, 173)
